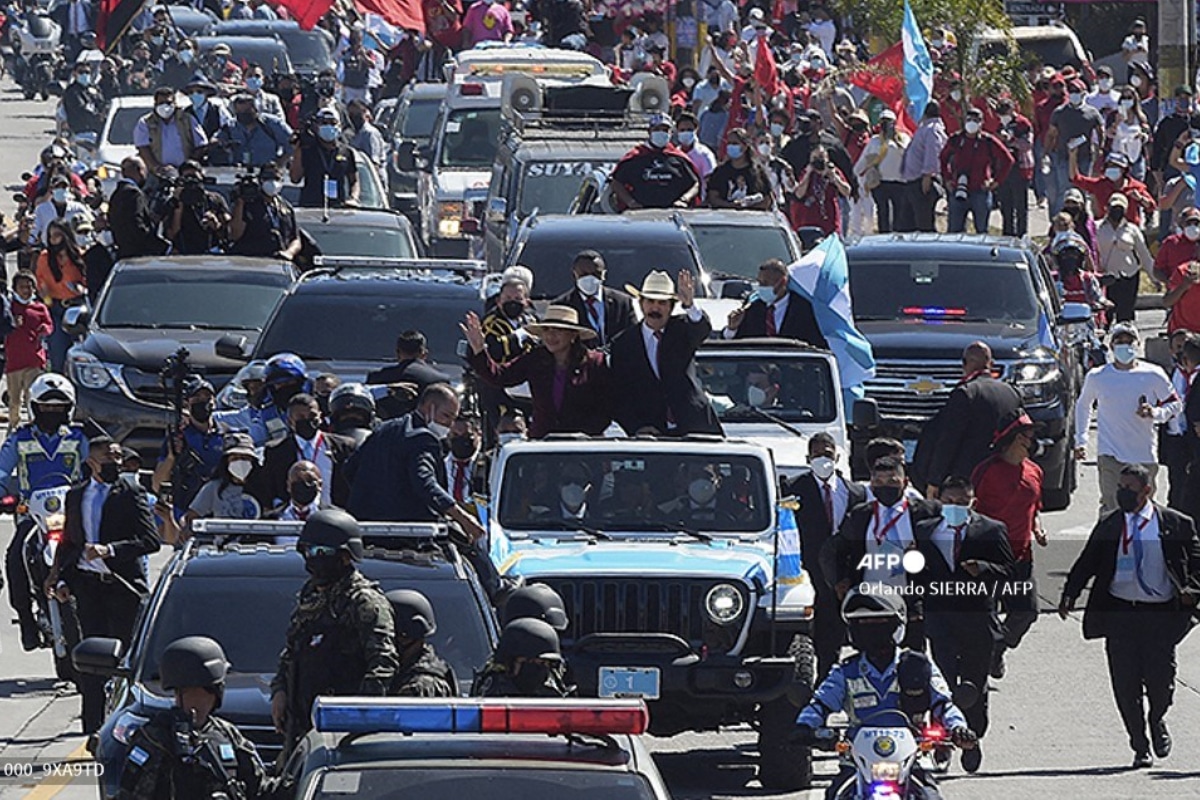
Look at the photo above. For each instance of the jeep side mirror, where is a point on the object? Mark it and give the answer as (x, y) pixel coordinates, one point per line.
(232, 346)
(865, 414)
(406, 157)
(97, 655)
(497, 210)
(735, 289)
(1074, 313)
(76, 320)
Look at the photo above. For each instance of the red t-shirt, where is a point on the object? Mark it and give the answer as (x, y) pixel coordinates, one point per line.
(1176, 249)
(1185, 314)
(1012, 494)
(819, 208)
(23, 347)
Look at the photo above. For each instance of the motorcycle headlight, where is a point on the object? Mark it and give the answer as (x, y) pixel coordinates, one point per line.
(89, 372)
(885, 771)
(126, 725)
(724, 603)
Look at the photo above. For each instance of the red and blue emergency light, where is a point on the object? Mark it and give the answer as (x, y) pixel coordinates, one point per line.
(933, 311)
(479, 715)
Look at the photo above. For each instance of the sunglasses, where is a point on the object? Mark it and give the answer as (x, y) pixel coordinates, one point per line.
(318, 550)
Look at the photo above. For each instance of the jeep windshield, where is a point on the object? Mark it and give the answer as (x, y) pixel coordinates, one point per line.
(550, 186)
(469, 139)
(483, 783)
(789, 389)
(943, 291)
(739, 249)
(634, 491)
(628, 254)
(237, 299)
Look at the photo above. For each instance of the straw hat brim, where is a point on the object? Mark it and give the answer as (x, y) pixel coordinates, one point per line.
(584, 332)
(639, 294)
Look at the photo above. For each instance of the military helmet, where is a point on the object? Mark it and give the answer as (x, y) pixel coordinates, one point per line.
(193, 661)
(527, 638)
(351, 395)
(873, 605)
(413, 612)
(332, 527)
(536, 601)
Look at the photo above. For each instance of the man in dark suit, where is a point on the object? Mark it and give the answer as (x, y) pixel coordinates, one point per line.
(605, 310)
(656, 361)
(133, 226)
(305, 442)
(966, 556)
(412, 365)
(963, 430)
(825, 495)
(775, 311)
(1143, 561)
(882, 528)
(107, 528)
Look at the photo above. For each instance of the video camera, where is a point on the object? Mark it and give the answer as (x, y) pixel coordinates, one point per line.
(248, 187)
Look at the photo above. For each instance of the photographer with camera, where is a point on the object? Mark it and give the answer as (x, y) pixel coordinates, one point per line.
(254, 138)
(974, 163)
(263, 223)
(325, 165)
(819, 189)
(198, 219)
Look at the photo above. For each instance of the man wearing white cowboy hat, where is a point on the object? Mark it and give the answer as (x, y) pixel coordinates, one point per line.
(658, 357)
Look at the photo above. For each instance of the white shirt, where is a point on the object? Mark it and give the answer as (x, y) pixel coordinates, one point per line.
(452, 469)
(1103, 101)
(46, 212)
(890, 168)
(826, 32)
(899, 537)
(317, 451)
(1182, 382)
(92, 507)
(694, 314)
(943, 538)
(1141, 574)
(1121, 433)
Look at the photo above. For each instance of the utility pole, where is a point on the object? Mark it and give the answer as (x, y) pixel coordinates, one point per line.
(1176, 31)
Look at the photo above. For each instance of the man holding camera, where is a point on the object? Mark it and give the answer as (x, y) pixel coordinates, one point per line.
(263, 223)
(198, 221)
(254, 138)
(324, 164)
(974, 163)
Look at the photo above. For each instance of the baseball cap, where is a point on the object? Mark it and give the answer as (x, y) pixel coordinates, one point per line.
(1118, 159)
(1124, 329)
(1073, 195)
(1118, 200)
(1190, 213)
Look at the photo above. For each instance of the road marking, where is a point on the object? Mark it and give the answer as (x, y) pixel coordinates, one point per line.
(51, 785)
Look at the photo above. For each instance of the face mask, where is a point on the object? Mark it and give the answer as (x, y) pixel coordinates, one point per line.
(156, 40)
(512, 308)
(1126, 105)
(1105, 84)
(776, 129)
(823, 467)
(1005, 119)
(84, 79)
(325, 89)
(50, 420)
(756, 396)
(938, 43)
(956, 95)
(199, 99)
(305, 428)
(271, 188)
(701, 491)
(589, 285)
(816, 63)
(1075, 98)
(955, 516)
(1113, 173)
(202, 411)
(1127, 499)
(764, 149)
(872, 637)
(510, 436)
(572, 495)
(246, 117)
(60, 196)
(659, 139)
(687, 138)
(109, 473)
(689, 83)
(438, 429)
(254, 84)
(888, 495)
(532, 678)
(1192, 232)
(22, 300)
(972, 127)
(164, 110)
(130, 479)
(186, 56)
(763, 294)
(326, 570)
(462, 446)
(240, 470)
(105, 238)
(734, 150)
(1135, 81)
(327, 133)
(1115, 215)
(304, 493)
(1124, 353)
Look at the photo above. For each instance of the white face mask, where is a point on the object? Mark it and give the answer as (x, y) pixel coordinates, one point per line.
(702, 491)
(971, 127)
(955, 516)
(660, 139)
(589, 285)
(1105, 84)
(240, 470)
(1005, 119)
(510, 436)
(1075, 98)
(1126, 104)
(764, 149)
(271, 188)
(1124, 353)
(165, 110)
(1113, 173)
(689, 82)
(572, 496)
(1192, 232)
(130, 479)
(823, 467)
(439, 430)
(687, 138)
(756, 396)
(956, 95)
(105, 237)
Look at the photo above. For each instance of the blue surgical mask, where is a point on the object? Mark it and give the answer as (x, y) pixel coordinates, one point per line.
(955, 515)
(186, 56)
(199, 99)
(660, 139)
(327, 132)
(60, 195)
(254, 84)
(687, 138)
(84, 78)
(1124, 353)
(734, 150)
(776, 129)
(763, 294)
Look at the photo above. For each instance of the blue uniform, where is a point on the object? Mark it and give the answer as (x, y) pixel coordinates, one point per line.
(207, 451)
(265, 425)
(31, 459)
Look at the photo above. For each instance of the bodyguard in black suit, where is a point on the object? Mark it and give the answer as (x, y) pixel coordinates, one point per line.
(966, 556)
(107, 529)
(133, 225)
(412, 365)
(605, 310)
(1143, 562)
(776, 311)
(654, 362)
(825, 496)
(306, 442)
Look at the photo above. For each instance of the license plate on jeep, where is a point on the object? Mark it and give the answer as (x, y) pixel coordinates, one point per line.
(630, 682)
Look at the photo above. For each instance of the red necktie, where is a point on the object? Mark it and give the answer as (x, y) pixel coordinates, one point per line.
(771, 329)
(958, 534)
(828, 503)
(460, 479)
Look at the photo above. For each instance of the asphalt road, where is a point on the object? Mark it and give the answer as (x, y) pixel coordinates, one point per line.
(1055, 731)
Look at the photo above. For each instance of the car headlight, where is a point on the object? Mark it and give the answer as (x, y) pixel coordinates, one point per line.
(724, 603)
(88, 371)
(126, 725)
(1036, 378)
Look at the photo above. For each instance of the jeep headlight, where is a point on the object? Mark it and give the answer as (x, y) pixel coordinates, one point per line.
(724, 603)
(89, 372)
(1036, 378)
(449, 216)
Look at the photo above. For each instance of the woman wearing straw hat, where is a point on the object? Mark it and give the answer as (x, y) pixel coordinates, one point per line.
(568, 382)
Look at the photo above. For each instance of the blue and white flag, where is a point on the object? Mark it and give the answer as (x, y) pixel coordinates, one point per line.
(821, 276)
(918, 66)
(380, 33)
(787, 559)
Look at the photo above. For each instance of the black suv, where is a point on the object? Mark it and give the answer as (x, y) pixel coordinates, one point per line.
(242, 595)
(920, 299)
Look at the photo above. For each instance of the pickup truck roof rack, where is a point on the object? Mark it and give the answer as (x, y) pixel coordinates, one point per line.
(332, 265)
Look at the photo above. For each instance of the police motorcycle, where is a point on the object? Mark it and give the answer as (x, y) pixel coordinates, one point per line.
(37, 54)
(885, 752)
(57, 620)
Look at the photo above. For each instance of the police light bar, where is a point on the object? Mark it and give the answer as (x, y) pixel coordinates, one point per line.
(361, 715)
(463, 265)
(933, 311)
(270, 528)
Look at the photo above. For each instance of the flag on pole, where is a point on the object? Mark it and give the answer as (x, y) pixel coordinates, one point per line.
(822, 277)
(113, 19)
(766, 74)
(787, 559)
(307, 13)
(918, 66)
(883, 77)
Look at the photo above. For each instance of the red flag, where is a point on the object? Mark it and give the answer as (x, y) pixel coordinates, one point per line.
(307, 12)
(765, 73)
(113, 19)
(885, 80)
(406, 14)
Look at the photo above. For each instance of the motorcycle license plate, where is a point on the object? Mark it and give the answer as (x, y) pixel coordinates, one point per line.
(630, 682)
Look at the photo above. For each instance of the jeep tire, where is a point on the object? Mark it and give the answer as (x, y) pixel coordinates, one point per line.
(782, 764)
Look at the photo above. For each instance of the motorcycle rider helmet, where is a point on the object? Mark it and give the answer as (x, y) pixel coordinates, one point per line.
(413, 613)
(867, 608)
(1068, 241)
(527, 638)
(331, 527)
(285, 368)
(351, 396)
(191, 662)
(51, 388)
(536, 601)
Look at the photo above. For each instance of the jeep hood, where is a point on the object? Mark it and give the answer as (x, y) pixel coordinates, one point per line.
(936, 339)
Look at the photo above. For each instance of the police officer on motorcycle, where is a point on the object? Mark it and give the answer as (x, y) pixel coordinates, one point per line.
(48, 452)
(185, 751)
(421, 673)
(340, 640)
(265, 418)
(352, 412)
(527, 662)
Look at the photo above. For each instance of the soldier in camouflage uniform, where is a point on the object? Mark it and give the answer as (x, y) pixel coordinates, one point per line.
(527, 663)
(421, 672)
(185, 752)
(340, 639)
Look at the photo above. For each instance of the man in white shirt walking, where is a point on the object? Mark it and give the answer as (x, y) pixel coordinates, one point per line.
(1131, 397)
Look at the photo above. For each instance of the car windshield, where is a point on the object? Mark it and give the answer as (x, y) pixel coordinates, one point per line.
(739, 249)
(307, 50)
(124, 120)
(490, 783)
(419, 119)
(270, 54)
(628, 260)
(351, 240)
(790, 389)
(635, 491)
(470, 138)
(226, 300)
(550, 186)
(354, 327)
(369, 194)
(975, 292)
(216, 607)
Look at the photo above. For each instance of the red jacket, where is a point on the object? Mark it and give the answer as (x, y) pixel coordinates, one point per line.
(1103, 189)
(980, 157)
(23, 347)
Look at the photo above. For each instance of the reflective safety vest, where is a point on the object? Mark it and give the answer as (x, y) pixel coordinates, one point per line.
(863, 697)
(39, 469)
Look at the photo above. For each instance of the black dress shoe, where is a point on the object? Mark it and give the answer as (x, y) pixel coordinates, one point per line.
(1142, 760)
(31, 637)
(1160, 738)
(971, 759)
